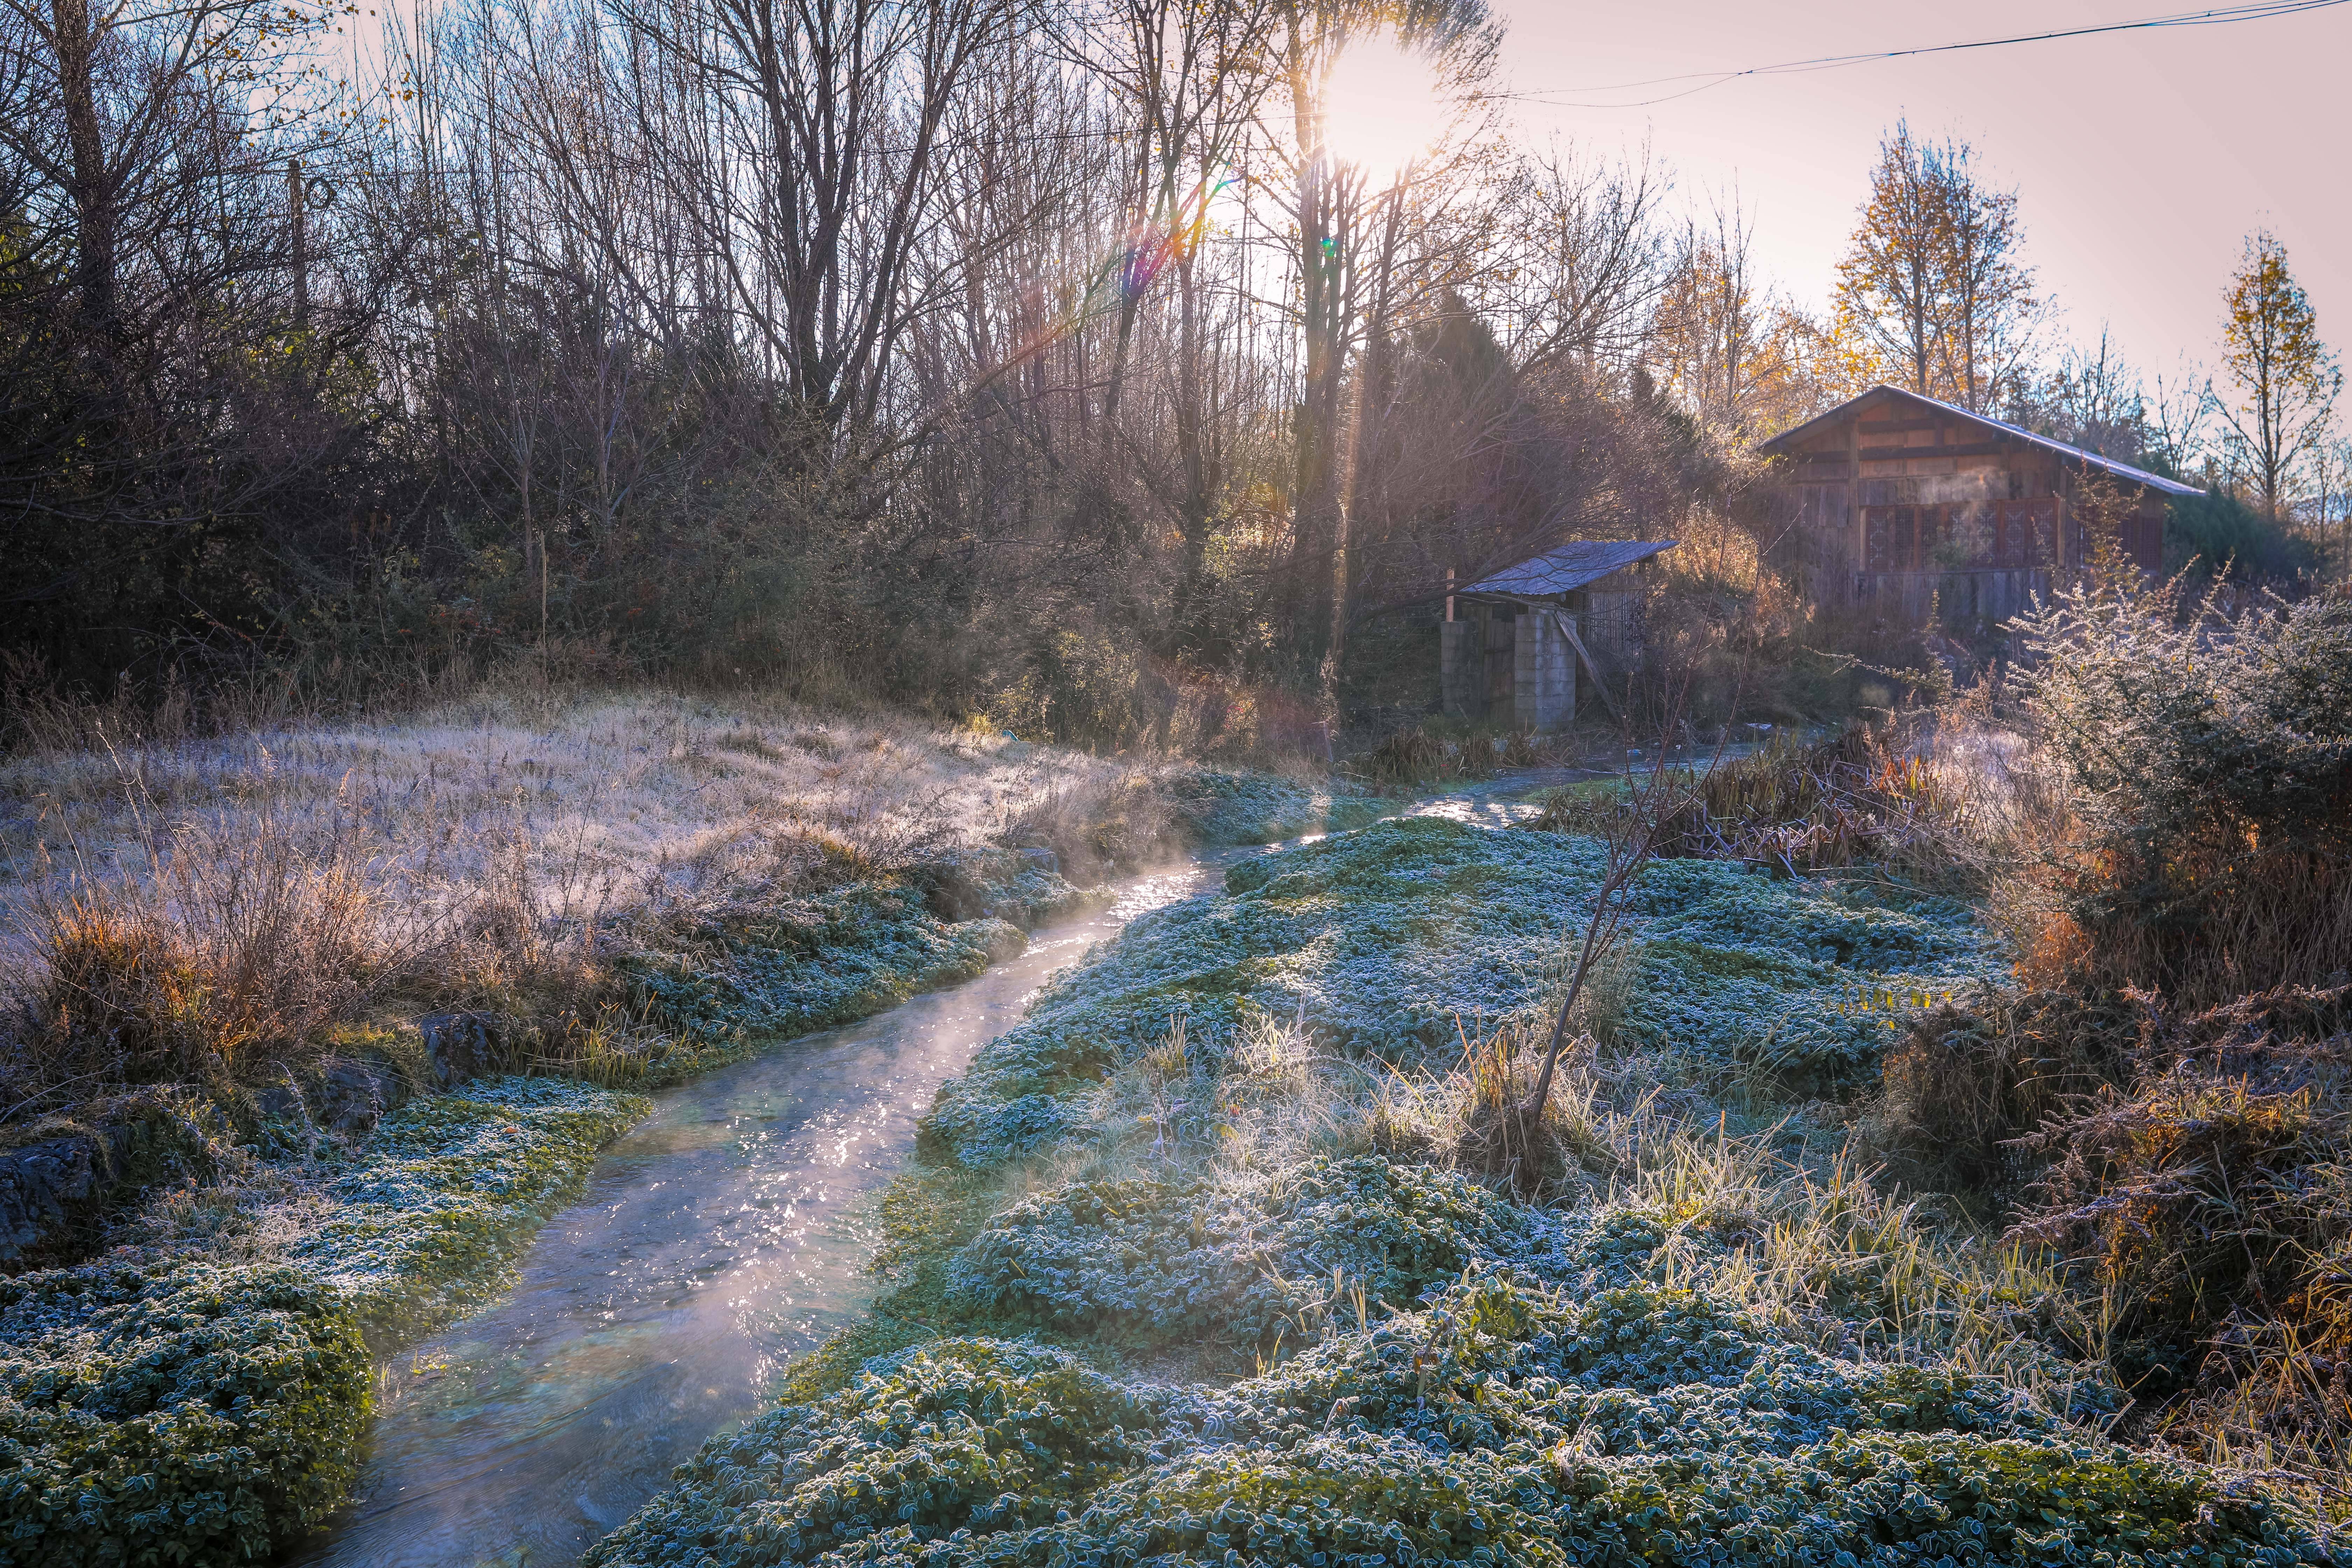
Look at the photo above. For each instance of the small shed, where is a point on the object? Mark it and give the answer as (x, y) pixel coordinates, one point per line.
(1906, 504)
(1512, 640)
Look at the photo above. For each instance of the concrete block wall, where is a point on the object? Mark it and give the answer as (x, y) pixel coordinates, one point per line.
(1543, 684)
(1461, 666)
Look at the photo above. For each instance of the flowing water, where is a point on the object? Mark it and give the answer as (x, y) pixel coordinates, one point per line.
(722, 1238)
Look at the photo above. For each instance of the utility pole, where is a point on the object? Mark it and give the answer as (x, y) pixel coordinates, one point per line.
(294, 208)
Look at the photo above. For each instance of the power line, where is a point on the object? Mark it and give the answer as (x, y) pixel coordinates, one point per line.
(2255, 11)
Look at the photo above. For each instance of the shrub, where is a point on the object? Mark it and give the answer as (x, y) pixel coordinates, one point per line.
(2209, 765)
(2217, 533)
(1977, 1074)
(196, 1415)
(211, 958)
(2208, 1201)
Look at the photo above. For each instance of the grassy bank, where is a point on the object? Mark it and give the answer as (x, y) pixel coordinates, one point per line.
(201, 1395)
(311, 1031)
(1214, 1258)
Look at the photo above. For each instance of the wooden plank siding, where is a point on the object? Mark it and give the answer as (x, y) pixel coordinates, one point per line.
(1902, 512)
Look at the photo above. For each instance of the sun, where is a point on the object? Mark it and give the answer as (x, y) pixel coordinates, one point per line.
(1381, 111)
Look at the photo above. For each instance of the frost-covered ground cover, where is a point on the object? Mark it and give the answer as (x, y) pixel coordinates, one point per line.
(198, 1414)
(1234, 805)
(1509, 1422)
(188, 1412)
(837, 954)
(1736, 966)
(1445, 1376)
(449, 1192)
(1390, 940)
(1156, 1258)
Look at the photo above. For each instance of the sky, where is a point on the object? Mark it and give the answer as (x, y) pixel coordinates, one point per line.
(2142, 160)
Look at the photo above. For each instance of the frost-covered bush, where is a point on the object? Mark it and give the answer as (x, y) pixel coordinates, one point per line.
(1507, 1423)
(966, 1437)
(832, 957)
(199, 1415)
(1383, 938)
(2206, 766)
(450, 1189)
(1153, 1259)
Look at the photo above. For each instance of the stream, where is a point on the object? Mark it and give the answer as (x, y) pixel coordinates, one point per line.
(722, 1238)
(719, 1238)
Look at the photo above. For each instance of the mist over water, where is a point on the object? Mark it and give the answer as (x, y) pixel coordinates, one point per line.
(720, 1239)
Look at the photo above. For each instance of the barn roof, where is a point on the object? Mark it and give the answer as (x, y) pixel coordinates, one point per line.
(1788, 438)
(1567, 566)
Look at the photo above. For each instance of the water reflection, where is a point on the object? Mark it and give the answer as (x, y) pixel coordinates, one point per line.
(720, 1239)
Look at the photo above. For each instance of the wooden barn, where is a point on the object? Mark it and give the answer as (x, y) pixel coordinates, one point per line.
(1513, 641)
(1904, 503)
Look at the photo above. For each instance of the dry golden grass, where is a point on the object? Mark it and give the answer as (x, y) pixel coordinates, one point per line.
(216, 950)
(181, 908)
(583, 806)
(1801, 1233)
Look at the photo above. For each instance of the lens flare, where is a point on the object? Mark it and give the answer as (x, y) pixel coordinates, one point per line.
(1382, 107)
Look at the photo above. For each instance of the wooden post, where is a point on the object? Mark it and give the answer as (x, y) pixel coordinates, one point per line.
(1853, 500)
(1568, 631)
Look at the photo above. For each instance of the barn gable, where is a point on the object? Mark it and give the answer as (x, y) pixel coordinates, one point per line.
(1904, 503)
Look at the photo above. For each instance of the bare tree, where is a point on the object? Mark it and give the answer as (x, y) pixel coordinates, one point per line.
(806, 142)
(2178, 412)
(2093, 398)
(1586, 258)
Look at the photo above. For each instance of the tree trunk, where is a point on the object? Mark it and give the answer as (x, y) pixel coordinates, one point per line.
(93, 187)
(1315, 499)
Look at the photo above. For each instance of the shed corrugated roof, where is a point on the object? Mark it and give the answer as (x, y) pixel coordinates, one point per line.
(2081, 455)
(1567, 566)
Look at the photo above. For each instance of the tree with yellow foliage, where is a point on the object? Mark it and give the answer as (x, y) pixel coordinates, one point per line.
(1934, 280)
(2286, 379)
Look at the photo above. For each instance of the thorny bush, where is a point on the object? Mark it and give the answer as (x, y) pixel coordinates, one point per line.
(2210, 1202)
(2209, 767)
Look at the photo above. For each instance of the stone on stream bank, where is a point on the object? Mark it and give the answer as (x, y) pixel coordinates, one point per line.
(69, 1169)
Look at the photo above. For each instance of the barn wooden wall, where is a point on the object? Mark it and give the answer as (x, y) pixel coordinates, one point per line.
(1905, 513)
